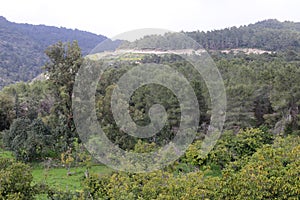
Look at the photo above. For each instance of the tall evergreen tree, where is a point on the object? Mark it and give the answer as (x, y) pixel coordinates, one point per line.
(65, 60)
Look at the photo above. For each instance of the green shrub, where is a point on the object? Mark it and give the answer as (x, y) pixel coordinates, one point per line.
(15, 180)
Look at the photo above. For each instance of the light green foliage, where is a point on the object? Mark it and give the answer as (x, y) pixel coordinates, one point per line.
(57, 178)
(271, 173)
(234, 147)
(6, 154)
(77, 156)
(193, 154)
(229, 148)
(154, 185)
(144, 147)
(15, 180)
(250, 140)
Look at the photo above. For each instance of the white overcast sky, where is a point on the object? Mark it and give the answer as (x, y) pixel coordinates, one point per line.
(111, 17)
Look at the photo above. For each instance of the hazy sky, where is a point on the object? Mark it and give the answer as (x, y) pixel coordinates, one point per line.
(111, 17)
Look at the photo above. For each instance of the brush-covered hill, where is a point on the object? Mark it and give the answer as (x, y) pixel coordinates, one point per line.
(22, 48)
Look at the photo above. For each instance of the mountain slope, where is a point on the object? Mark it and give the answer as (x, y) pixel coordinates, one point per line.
(22, 48)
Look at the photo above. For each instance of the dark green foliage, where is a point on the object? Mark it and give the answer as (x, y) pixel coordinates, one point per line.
(145, 97)
(65, 61)
(6, 111)
(29, 140)
(55, 194)
(15, 138)
(261, 90)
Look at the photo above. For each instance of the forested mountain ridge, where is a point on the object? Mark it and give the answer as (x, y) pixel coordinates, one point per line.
(22, 48)
(267, 35)
(271, 35)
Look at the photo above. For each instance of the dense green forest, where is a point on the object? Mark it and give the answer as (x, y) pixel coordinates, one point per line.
(256, 157)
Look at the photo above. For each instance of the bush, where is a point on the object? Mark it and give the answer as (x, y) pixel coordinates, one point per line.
(15, 180)
(232, 147)
(29, 140)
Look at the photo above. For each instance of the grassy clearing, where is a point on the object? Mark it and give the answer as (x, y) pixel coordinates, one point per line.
(58, 178)
(6, 154)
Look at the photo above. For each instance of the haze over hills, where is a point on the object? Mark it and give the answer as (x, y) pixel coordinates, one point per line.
(22, 46)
